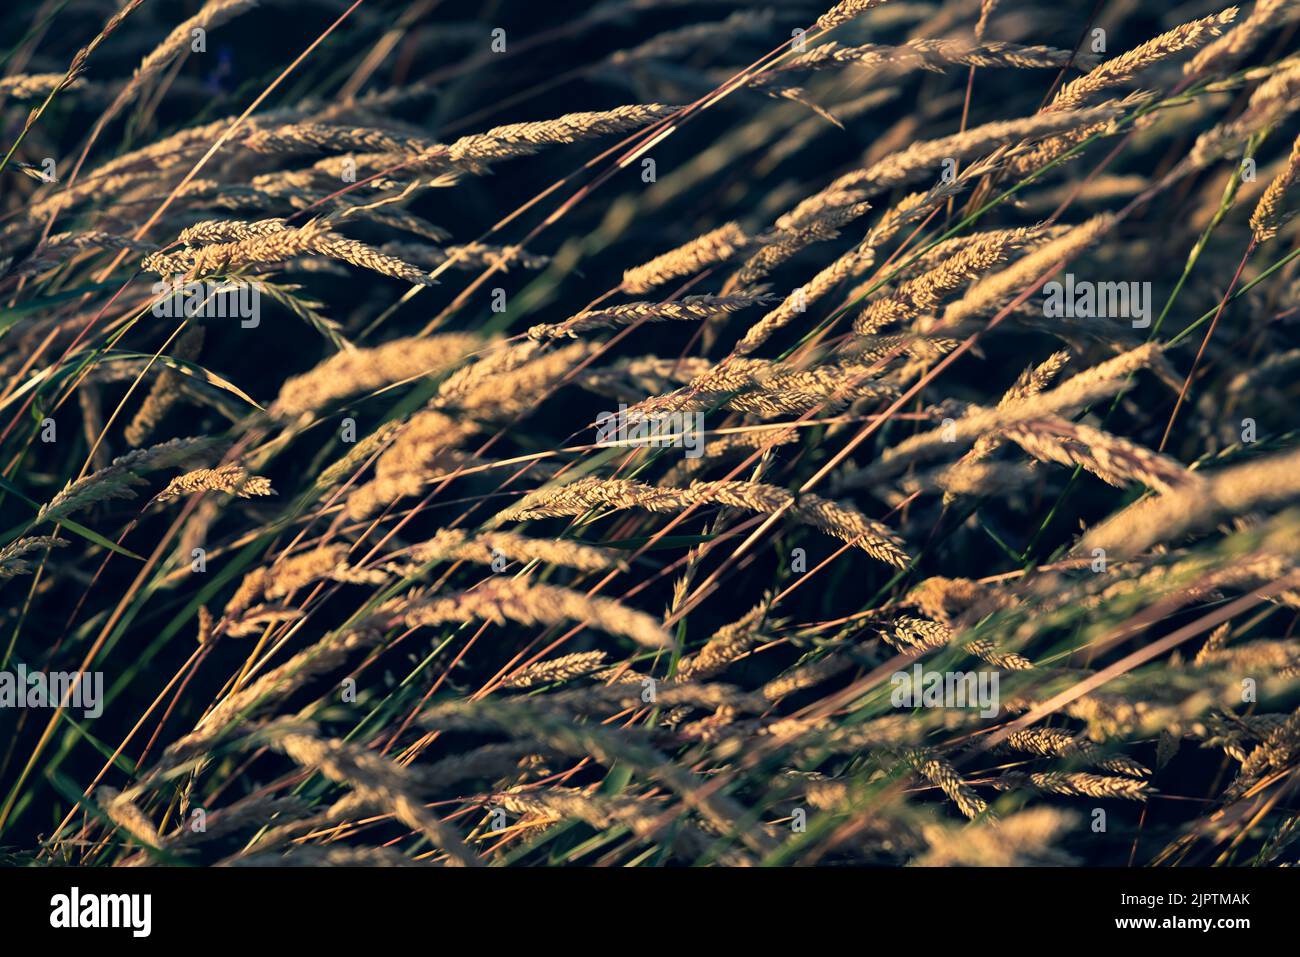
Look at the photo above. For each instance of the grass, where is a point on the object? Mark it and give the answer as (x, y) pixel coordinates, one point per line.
(632, 656)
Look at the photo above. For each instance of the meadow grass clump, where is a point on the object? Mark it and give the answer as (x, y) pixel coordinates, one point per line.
(879, 418)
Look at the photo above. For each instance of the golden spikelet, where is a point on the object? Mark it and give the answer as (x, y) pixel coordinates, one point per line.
(205, 625)
(378, 780)
(1269, 480)
(940, 772)
(1273, 100)
(486, 547)
(841, 521)
(991, 292)
(1053, 742)
(1266, 16)
(923, 293)
(165, 390)
(525, 139)
(360, 452)
(30, 86)
(844, 11)
(231, 479)
(1100, 381)
(555, 670)
(116, 480)
(1126, 66)
(1030, 383)
(713, 248)
(126, 815)
(1020, 839)
(267, 245)
(944, 598)
(526, 603)
(364, 370)
(1076, 783)
(690, 309)
(727, 645)
(1268, 216)
(407, 465)
(1113, 459)
(920, 159)
(803, 677)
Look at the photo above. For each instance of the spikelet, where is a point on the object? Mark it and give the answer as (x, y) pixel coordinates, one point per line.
(364, 370)
(276, 245)
(287, 576)
(510, 382)
(1021, 839)
(532, 604)
(844, 11)
(378, 780)
(1214, 641)
(115, 480)
(922, 635)
(1053, 742)
(211, 231)
(405, 468)
(1113, 459)
(923, 293)
(841, 521)
(555, 670)
(30, 86)
(728, 446)
(1030, 383)
(126, 815)
(325, 137)
(728, 644)
(205, 625)
(1098, 382)
(921, 159)
(713, 248)
(1121, 69)
(470, 256)
(1273, 100)
(690, 309)
(12, 560)
(1269, 211)
(360, 452)
(231, 479)
(927, 53)
(821, 224)
(454, 544)
(525, 139)
(943, 598)
(940, 772)
(211, 15)
(803, 677)
(1269, 480)
(1076, 783)
(61, 247)
(799, 300)
(770, 390)
(1224, 52)
(991, 292)
(165, 390)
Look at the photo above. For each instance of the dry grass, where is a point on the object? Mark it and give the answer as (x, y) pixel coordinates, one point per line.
(430, 595)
